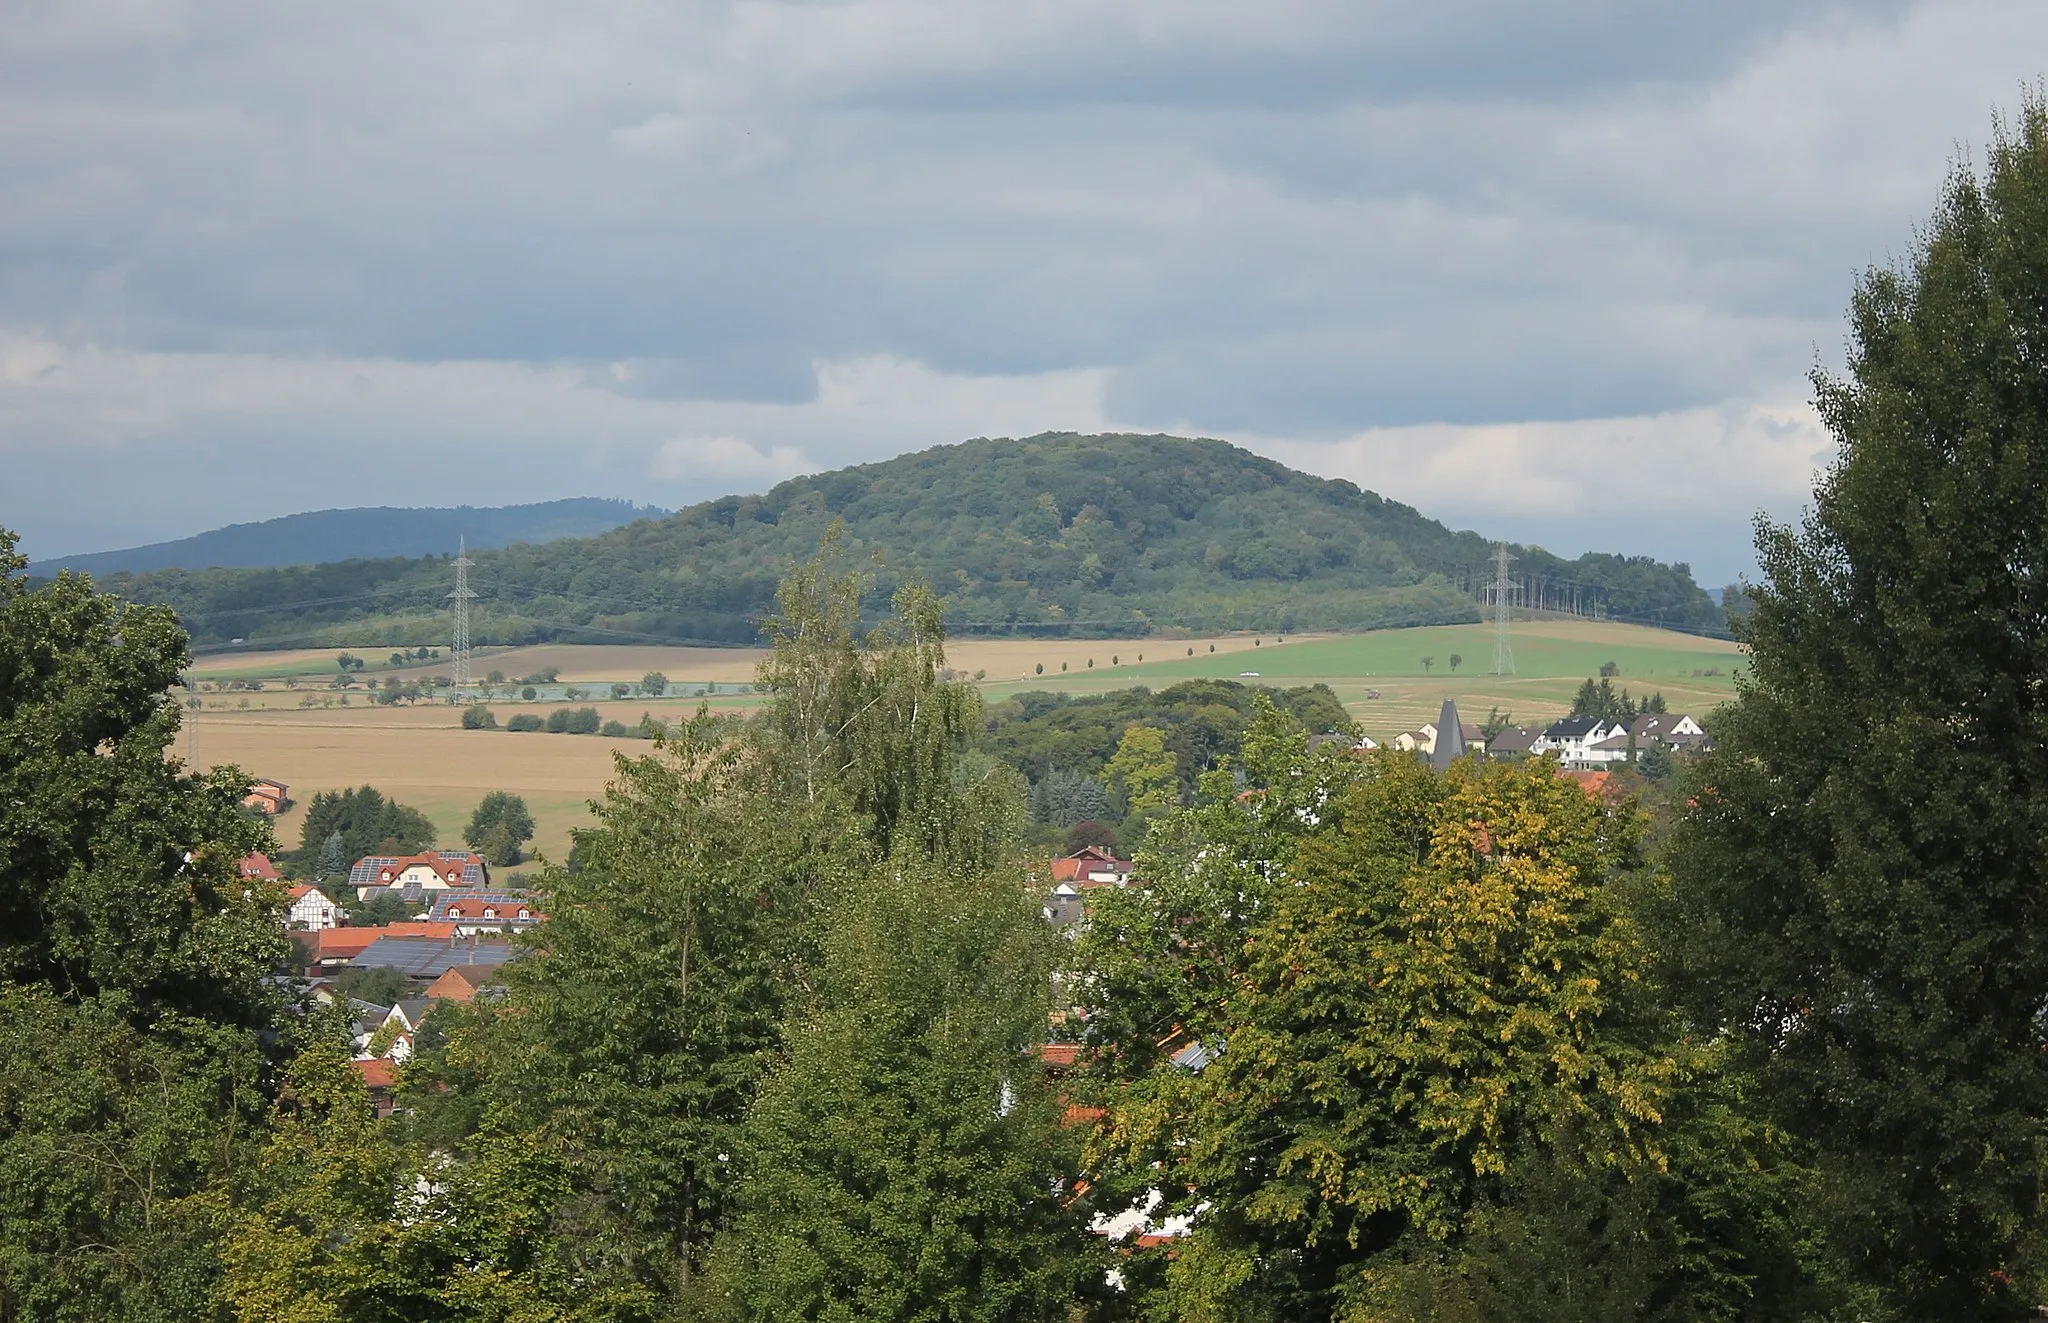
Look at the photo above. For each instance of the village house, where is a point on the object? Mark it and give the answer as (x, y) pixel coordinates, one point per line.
(272, 797)
(1674, 730)
(401, 1025)
(380, 1081)
(463, 983)
(486, 912)
(1593, 742)
(311, 911)
(425, 958)
(1569, 738)
(1424, 737)
(1092, 866)
(412, 875)
(333, 948)
(1085, 869)
(1342, 743)
(257, 867)
(1512, 742)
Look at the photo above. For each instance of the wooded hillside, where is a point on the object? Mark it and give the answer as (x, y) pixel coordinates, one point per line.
(1054, 534)
(321, 536)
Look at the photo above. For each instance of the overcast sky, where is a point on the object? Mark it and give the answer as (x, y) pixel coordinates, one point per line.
(1554, 271)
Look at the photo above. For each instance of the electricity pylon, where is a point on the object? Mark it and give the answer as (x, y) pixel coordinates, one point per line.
(1503, 643)
(461, 597)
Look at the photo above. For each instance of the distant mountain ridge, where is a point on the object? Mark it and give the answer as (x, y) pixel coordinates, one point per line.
(323, 536)
(1057, 534)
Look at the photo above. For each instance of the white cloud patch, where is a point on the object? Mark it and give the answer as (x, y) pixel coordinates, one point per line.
(695, 458)
(1740, 458)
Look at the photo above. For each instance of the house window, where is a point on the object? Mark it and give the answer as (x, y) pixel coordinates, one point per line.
(454, 911)
(490, 913)
(525, 913)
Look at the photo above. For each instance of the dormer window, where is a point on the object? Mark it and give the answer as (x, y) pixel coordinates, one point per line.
(490, 912)
(385, 875)
(454, 911)
(525, 913)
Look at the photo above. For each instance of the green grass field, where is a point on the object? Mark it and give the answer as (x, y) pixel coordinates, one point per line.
(1552, 657)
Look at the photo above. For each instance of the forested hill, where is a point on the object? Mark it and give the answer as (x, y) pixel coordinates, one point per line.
(321, 536)
(1093, 535)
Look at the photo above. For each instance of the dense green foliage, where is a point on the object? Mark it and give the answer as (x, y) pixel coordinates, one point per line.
(1601, 699)
(1203, 721)
(367, 824)
(132, 960)
(1442, 1082)
(500, 827)
(1865, 906)
(1055, 534)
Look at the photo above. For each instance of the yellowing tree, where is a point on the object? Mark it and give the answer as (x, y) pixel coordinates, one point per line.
(1441, 985)
(1141, 774)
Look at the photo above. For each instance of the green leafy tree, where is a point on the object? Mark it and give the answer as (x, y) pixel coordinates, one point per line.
(1428, 663)
(1141, 773)
(907, 1160)
(1084, 834)
(634, 1043)
(870, 719)
(343, 1218)
(1439, 1077)
(380, 986)
(1456, 662)
(1479, 977)
(478, 717)
(367, 822)
(133, 955)
(654, 683)
(1861, 903)
(500, 827)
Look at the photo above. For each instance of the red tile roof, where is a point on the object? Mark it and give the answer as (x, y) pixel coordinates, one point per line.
(1600, 785)
(348, 943)
(1060, 1054)
(1089, 859)
(259, 865)
(378, 1073)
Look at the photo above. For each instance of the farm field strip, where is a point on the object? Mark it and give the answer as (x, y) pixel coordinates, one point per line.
(420, 754)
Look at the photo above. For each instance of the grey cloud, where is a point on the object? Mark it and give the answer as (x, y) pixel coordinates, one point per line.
(1303, 219)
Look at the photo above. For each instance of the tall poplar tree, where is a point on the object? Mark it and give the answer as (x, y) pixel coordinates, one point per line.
(1863, 896)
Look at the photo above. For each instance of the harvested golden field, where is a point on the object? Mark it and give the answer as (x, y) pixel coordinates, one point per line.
(1002, 659)
(420, 756)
